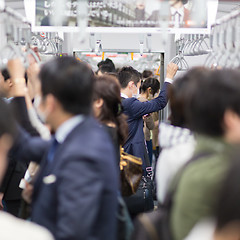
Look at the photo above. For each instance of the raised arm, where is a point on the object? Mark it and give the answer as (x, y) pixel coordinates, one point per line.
(139, 109)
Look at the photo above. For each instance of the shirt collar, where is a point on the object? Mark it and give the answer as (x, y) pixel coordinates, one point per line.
(8, 100)
(123, 95)
(179, 10)
(64, 130)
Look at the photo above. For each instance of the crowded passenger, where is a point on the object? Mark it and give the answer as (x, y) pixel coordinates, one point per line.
(79, 167)
(78, 175)
(176, 139)
(215, 118)
(130, 80)
(11, 227)
(106, 66)
(224, 224)
(148, 89)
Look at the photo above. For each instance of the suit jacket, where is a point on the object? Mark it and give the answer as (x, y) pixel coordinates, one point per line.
(75, 196)
(135, 109)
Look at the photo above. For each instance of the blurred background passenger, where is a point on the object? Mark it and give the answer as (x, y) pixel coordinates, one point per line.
(176, 141)
(106, 66)
(10, 196)
(213, 113)
(148, 89)
(107, 109)
(68, 164)
(147, 73)
(11, 227)
(225, 223)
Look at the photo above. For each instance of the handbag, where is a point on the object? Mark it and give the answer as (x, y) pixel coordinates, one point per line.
(142, 200)
(130, 173)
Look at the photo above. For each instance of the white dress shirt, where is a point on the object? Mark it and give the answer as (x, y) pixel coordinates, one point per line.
(177, 16)
(64, 130)
(123, 95)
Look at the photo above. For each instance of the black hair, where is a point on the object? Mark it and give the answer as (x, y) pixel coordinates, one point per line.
(147, 73)
(216, 92)
(152, 83)
(5, 74)
(227, 208)
(183, 1)
(179, 94)
(71, 82)
(105, 69)
(7, 122)
(128, 74)
(106, 66)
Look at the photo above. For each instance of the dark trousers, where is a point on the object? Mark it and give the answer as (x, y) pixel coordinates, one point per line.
(150, 150)
(12, 206)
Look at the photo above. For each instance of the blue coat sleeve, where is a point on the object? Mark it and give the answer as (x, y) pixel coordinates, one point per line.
(138, 109)
(28, 148)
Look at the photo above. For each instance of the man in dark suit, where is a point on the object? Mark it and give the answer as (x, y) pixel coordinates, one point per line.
(135, 110)
(75, 193)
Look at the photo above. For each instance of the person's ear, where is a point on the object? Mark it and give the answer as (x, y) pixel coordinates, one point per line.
(231, 126)
(230, 119)
(9, 82)
(149, 90)
(98, 103)
(131, 85)
(51, 103)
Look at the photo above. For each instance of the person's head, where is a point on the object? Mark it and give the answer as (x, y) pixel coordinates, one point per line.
(107, 104)
(7, 133)
(150, 87)
(214, 107)
(106, 66)
(130, 80)
(66, 87)
(104, 69)
(140, 4)
(147, 74)
(174, 2)
(227, 211)
(5, 83)
(180, 91)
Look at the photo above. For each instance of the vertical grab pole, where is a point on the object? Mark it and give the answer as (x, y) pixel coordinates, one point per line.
(162, 113)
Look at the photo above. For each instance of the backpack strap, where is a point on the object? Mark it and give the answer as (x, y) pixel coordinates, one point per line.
(169, 197)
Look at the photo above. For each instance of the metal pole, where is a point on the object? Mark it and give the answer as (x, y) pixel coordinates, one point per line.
(162, 114)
